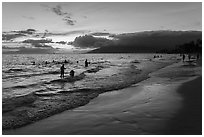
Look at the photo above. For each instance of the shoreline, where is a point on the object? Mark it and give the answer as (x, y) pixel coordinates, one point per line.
(157, 110)
(69, 101)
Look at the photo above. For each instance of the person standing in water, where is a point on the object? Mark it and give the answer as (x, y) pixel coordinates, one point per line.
(183, 57)
(86, 63)
(62, 68)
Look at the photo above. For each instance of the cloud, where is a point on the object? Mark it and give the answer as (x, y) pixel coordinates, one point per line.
(11, 36)
(43, 46)
(58, 10)
(69, 21)
(75, 32)
(88, 41)
(65, 15)
(148, 41)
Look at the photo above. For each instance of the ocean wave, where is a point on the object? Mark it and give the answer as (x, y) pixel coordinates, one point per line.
(64, 80)
(44, 94)
(101, 62)
(79, 90)
(31, 75)
(94, 70)
(22, 86)
(69, 79)
(13, 70)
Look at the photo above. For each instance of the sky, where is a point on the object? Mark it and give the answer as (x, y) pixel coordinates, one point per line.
(114, 17)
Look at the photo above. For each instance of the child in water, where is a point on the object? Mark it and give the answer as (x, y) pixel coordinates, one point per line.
(72, 73)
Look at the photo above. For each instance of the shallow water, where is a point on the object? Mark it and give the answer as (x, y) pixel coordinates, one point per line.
(38, 90)
(20, 77)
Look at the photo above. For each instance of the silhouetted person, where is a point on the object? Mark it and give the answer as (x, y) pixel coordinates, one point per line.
(62, 68)
(72, 73)
(183, 57)
(65, 61)
(86, 63)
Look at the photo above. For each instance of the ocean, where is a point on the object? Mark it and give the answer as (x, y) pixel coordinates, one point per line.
(33, 90)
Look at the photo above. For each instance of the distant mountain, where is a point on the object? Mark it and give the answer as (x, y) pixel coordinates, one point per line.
(148, 41)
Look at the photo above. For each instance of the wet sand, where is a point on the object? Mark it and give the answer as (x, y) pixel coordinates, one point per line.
(166, 103)
(188, 121)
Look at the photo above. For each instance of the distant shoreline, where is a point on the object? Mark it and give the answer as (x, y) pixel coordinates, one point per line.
(88, 53)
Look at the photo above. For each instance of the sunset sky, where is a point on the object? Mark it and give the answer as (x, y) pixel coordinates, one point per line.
(101, 17)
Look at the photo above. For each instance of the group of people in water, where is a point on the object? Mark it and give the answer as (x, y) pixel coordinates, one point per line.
(157, 56)
(62, 68)
(53, 62)
(189, 57)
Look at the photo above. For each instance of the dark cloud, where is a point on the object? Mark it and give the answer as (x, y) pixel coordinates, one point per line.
(88, 41)
(16, 34)
(148, 41)
(11, 36)
(43, 46)
(32, 41)
(141, 42)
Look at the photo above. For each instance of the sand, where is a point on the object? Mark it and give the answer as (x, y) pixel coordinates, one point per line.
(188, 121)
(166, 103)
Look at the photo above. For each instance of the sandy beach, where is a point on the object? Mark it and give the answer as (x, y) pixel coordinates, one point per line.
(108, 68)
(24, 104)
(165, 103)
